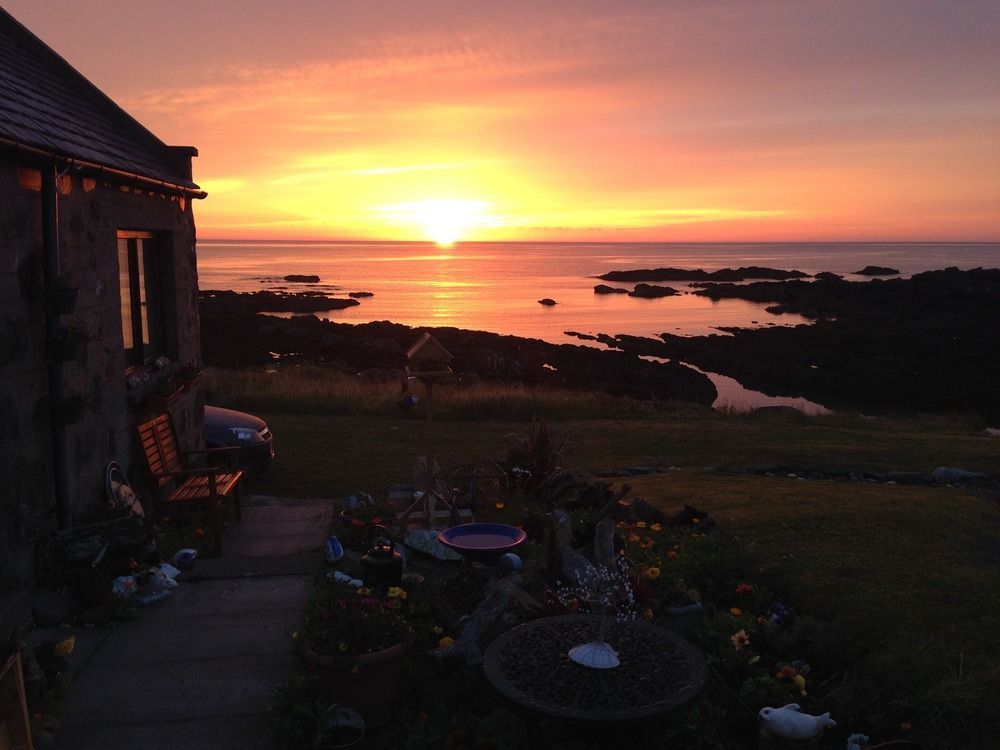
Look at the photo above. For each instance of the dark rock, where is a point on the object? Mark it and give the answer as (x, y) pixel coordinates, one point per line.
(650, 291)
(907, 477)
(827, 276)
(582, 336)
(547, 301)
(302, 278)
(605, 289)
(360, 294)
(948, 474)
(272, 301)
(877, 271)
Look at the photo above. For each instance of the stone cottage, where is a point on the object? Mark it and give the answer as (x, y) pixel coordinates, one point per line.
(98, 295)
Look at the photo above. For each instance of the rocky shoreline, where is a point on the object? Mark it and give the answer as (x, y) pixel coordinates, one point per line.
(927, 343)
(235, 335)
(922, 344)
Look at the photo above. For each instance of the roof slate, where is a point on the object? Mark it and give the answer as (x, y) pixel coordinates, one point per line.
(46, 104)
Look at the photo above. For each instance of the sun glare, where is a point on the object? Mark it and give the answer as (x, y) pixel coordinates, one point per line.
(444, 222)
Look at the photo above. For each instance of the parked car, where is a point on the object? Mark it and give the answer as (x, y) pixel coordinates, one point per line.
(225, 428)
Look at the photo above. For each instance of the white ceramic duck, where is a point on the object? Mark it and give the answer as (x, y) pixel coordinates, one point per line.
(788, 723)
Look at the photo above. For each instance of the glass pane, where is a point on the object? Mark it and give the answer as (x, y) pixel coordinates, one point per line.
(143, 298)
(125, 292)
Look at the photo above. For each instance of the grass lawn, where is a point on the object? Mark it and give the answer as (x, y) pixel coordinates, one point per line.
(910, 570)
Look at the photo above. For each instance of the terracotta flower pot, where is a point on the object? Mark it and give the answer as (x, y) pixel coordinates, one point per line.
(368, 683)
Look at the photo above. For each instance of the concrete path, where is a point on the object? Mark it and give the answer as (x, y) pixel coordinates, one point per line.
(198, 670)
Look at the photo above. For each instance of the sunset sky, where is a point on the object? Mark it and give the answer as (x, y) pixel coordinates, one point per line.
(633, 120)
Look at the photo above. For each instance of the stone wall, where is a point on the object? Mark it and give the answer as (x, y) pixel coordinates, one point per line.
(91, 211)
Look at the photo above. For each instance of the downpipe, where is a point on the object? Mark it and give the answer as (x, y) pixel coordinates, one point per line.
(57, 386)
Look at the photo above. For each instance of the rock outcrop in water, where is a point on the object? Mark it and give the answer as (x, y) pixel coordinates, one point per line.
(302, 278)
(877, 271)
(652, 291)
(275, 301)
(684, 274)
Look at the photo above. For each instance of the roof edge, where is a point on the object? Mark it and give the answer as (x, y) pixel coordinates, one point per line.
(191, 190)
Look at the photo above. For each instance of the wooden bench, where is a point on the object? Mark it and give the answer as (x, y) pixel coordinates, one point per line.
(176, 482)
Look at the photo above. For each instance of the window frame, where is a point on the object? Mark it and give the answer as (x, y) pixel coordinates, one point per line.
(144, 253)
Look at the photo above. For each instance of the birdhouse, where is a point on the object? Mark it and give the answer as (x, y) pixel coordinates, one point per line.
(428, 358)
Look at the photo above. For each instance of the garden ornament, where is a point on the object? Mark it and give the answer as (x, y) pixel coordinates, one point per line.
(786, 722)
(604, 542)
(575, 567)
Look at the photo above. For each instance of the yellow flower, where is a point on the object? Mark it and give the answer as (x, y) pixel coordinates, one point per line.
(499, 505)
(640, 524)
(800, 682)
(632, 538)
(363, 591)
(651, 574)
(735, 611)
(64, 648)
(446, 643)
(437, 630)
(657, 527)
(396, 592)
(342, 646)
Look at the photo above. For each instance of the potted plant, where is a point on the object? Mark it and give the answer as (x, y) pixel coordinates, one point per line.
(358, 639)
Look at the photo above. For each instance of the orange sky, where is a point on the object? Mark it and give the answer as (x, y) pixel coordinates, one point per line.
(640, 120)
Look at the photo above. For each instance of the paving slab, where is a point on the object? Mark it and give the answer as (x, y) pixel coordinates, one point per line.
(199, 669)
(249, 732)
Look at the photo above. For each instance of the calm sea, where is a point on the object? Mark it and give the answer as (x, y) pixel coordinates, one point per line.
(496, 286)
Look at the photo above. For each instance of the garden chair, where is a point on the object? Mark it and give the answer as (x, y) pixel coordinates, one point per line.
(177, 482)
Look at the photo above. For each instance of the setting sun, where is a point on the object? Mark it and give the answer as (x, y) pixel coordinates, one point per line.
(443, 222)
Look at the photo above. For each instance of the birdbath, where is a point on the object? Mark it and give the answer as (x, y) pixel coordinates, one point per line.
(483, 542)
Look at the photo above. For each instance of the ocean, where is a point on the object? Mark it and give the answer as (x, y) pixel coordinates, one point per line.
(496, 286)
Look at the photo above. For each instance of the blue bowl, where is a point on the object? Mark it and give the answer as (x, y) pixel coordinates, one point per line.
(483, 542)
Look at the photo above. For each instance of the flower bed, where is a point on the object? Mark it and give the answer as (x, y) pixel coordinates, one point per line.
(686, 574)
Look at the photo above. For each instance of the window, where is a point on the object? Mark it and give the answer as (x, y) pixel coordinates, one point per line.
(139, 279)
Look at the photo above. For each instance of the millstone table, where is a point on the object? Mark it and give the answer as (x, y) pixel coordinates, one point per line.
(659, 670)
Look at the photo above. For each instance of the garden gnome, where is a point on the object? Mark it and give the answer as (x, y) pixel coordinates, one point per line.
(786, 722)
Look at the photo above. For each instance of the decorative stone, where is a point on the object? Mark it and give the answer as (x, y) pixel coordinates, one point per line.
(510, 563)
(596, 655)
